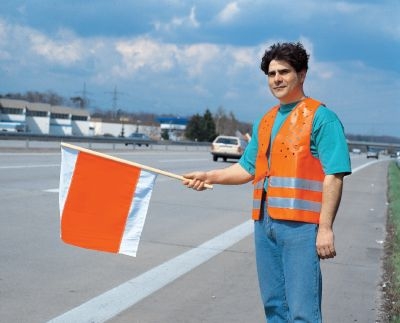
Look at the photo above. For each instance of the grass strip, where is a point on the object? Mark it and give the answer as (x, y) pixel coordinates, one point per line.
(392, 261)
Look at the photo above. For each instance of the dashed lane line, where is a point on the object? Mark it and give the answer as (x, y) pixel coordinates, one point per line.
(29, 166)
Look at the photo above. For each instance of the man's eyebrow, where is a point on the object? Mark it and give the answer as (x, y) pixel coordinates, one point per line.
(280, 70)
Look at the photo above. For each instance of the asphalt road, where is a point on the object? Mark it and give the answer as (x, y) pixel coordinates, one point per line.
(196, 258)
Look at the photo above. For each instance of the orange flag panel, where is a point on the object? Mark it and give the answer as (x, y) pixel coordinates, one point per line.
(89, 220)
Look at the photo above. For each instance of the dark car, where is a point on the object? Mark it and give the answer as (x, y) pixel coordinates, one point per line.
(139, 139)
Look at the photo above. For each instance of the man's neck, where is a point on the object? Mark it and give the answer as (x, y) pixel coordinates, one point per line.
(293, 99)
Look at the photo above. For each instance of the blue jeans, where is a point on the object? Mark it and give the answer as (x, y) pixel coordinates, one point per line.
(288, 269)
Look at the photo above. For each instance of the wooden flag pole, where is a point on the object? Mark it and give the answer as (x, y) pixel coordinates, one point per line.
(124, 161)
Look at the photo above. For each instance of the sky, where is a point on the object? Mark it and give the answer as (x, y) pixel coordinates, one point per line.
(182, 57)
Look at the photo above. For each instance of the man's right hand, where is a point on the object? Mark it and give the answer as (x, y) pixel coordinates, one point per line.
(195, 180)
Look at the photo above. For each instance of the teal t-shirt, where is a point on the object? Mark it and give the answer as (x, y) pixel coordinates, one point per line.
(328, 142)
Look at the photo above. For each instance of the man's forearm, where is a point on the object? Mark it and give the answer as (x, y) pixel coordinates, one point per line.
(232, 175)
(331, 196)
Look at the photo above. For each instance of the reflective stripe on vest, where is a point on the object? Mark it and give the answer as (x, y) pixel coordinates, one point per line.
(290, 203)
(289, 182)
(286, 202)
(295, 214)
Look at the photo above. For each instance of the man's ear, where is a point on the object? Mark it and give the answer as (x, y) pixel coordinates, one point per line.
(302, 75)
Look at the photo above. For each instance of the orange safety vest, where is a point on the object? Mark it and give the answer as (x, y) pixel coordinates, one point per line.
(295, 176)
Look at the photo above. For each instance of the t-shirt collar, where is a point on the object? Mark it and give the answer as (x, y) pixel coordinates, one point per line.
(287, 107)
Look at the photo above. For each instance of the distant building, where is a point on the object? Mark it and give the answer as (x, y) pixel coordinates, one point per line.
(12, 115)
(42, 118)
(175, 126)
(123, 128)
(46, 119)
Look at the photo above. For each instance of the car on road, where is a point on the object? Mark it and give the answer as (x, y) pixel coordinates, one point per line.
(228, 147)
(372, 153)
(395, 154)
(139, 139)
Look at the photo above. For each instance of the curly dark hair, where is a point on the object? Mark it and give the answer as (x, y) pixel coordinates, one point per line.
(292, 53)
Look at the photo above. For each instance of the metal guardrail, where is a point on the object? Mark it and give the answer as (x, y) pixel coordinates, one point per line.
(30, 140)
(363, 145)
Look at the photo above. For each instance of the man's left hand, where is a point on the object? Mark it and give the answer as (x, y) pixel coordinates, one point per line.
(325, 243)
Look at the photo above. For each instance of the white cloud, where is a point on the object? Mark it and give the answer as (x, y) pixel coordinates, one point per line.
(66, 50)
(24, 43)
(4, 31)
(192, 17)
(144, 53)
(374, 18)
(231, 95)
(347, 7)
(229, 12)
(198, 58)
(202, 91)
(22, 9)
(178, 22)
(149, 55)
(244, 56)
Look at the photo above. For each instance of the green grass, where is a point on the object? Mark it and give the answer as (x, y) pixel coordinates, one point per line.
(394, 244)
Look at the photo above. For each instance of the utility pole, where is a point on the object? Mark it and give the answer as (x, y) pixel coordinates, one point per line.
(82, 98)
(84, 95)
(115, 94)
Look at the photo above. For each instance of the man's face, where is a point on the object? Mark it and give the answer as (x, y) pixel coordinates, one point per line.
(284, 82)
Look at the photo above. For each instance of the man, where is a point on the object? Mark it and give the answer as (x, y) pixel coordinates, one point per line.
(297, 159)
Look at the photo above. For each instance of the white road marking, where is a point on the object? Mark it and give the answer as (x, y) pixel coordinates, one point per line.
(364, 165)
(29, 154)
(51, 190)
(58, 165)
(29, 166)
(182, 160)
(120, 298)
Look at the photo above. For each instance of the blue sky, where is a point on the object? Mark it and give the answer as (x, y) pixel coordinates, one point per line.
(181, 57)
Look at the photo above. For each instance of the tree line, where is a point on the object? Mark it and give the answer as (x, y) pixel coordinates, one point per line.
(209, 126)
(48, 97)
